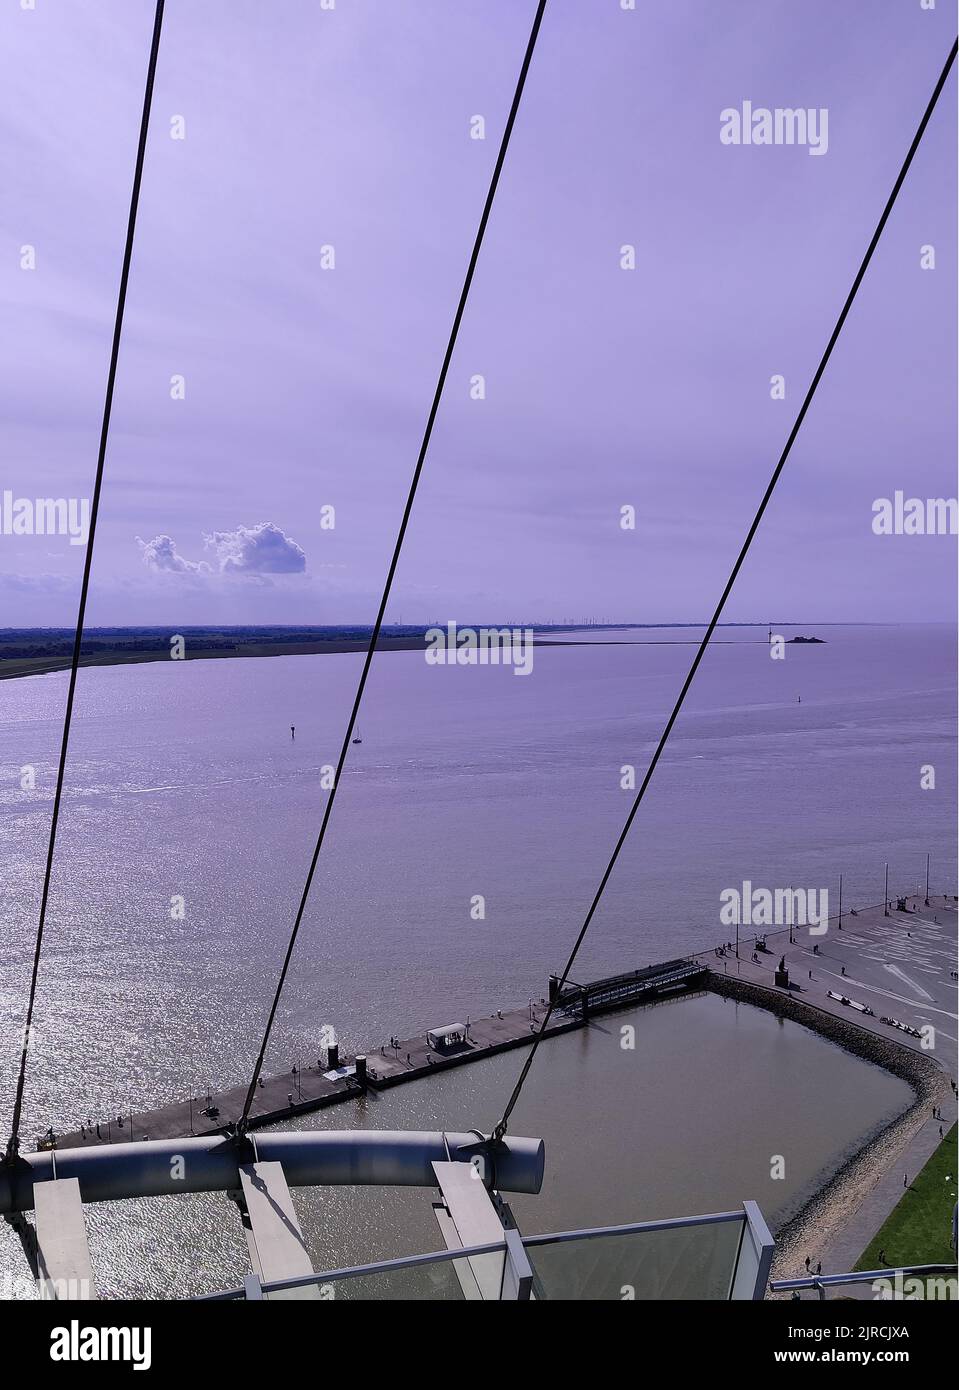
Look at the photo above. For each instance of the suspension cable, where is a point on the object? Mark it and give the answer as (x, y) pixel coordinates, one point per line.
(514, 1097)
(14, 1141)
(374, 636)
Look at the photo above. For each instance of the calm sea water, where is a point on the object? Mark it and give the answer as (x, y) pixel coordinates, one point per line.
(183, 781)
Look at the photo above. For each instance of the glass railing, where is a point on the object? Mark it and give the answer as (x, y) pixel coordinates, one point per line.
(725, 1255)
(437, 1281)
(648, 1262)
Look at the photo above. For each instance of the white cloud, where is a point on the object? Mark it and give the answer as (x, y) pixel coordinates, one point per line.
(263, 549)
(162, 556)
(247, 550)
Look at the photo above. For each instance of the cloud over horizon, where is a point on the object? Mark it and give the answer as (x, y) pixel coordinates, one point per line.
(162, 557)
(262, 549)
(246, 550)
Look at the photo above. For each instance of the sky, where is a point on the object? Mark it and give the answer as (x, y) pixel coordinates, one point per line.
(304, 387)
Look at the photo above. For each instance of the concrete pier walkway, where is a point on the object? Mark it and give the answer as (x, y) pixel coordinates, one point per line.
(315, 1086)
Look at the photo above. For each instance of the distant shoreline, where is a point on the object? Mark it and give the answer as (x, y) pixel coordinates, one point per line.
(11, 668)
(39, 652)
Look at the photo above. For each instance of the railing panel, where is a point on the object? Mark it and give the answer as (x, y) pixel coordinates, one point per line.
(694, 1262)
(695, 1258)
(420, 1283)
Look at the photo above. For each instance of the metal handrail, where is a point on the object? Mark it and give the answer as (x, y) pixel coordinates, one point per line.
(865, 1276)
(635, 1227)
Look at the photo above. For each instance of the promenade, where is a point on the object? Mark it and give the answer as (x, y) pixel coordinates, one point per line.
(900, 966)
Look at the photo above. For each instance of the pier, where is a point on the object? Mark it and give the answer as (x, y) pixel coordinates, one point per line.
(333, 1079)
(885, 970)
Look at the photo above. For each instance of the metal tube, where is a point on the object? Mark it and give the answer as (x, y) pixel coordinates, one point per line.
(162, 1167)
(673, 1223)
(862, 1277)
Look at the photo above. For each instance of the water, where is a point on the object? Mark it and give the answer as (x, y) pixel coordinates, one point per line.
(686, 1122)
(183, 782)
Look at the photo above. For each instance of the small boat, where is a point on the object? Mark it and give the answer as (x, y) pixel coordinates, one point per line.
(357, 739)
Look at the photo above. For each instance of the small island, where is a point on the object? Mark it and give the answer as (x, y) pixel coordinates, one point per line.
(806, 639)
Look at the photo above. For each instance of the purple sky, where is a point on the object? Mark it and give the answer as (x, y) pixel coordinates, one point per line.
(307, 388)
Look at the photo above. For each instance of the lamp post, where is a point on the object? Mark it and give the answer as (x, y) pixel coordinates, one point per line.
(840, 900)
(927, 880)
(885, 895)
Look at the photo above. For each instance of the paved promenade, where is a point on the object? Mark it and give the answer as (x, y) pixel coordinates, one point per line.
(839, 1255)
(901, 966)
